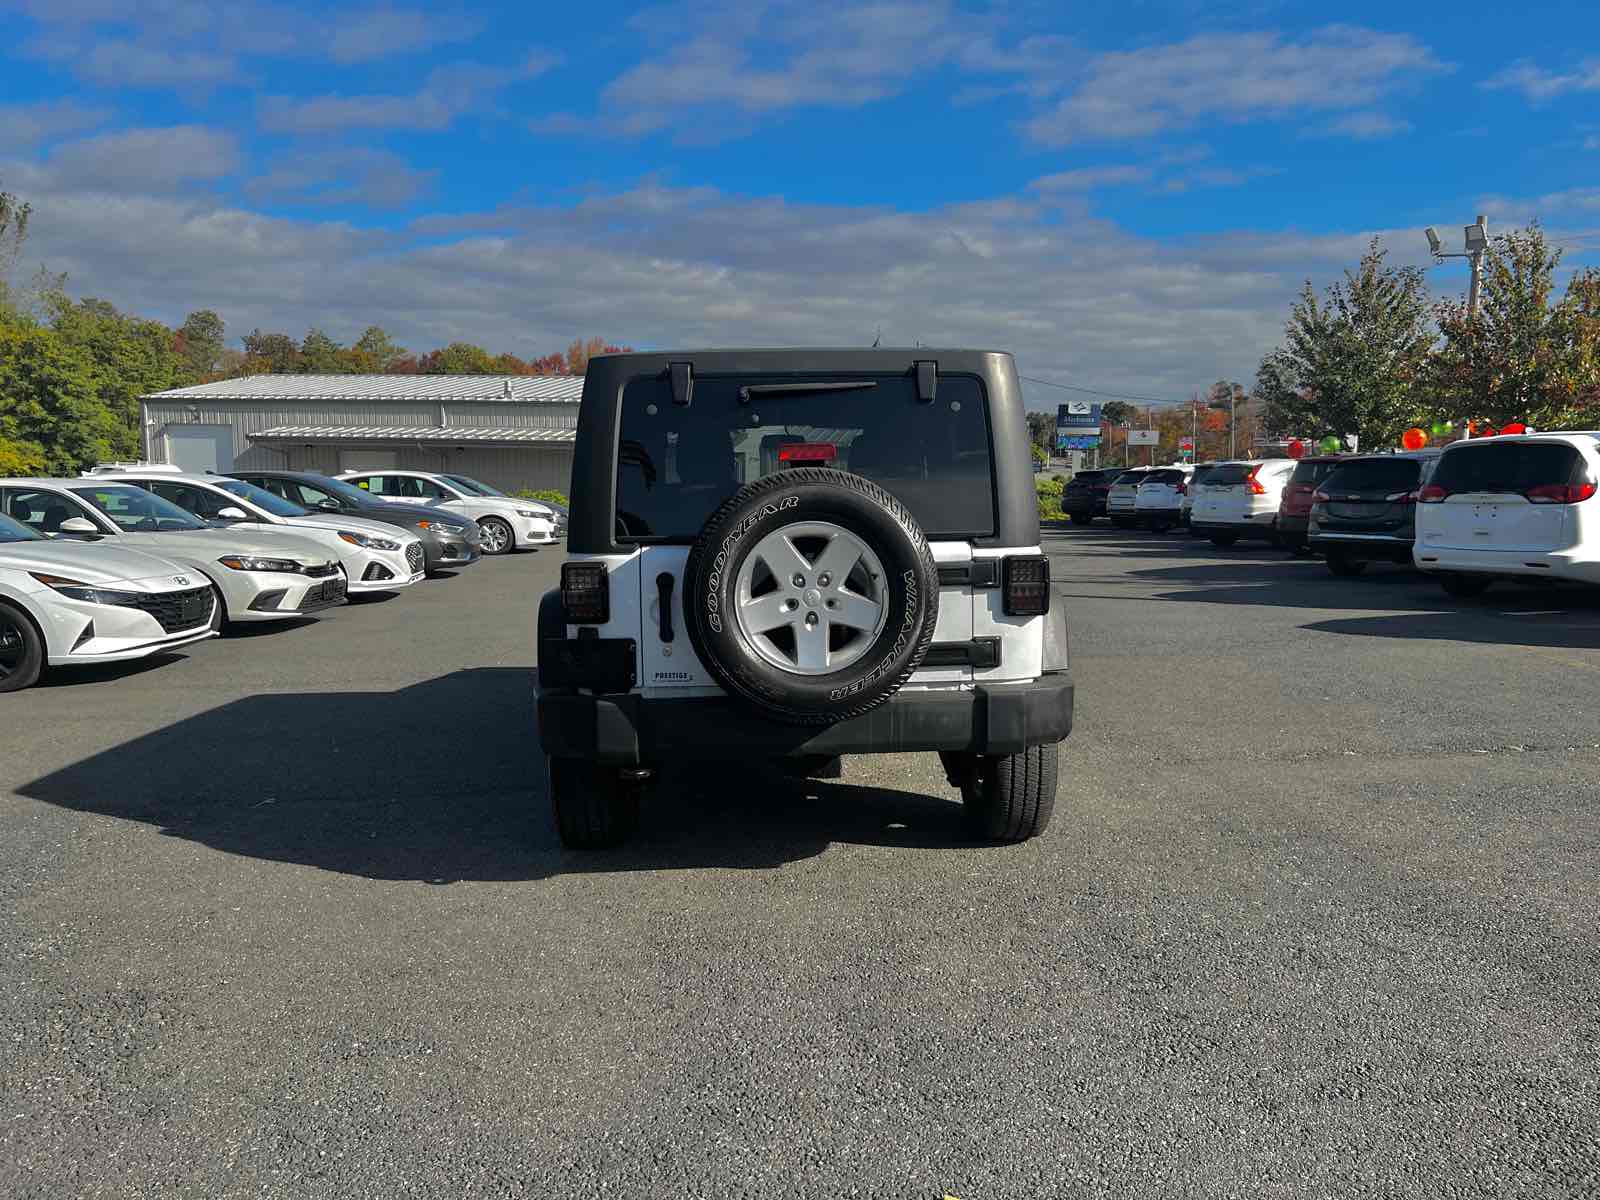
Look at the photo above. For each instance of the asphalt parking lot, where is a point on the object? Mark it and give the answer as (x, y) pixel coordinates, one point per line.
(284, 916)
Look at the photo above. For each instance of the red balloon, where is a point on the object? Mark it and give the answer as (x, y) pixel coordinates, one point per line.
(1488, 431)
(1514, 427)
(1297, 449)
(1414, 439)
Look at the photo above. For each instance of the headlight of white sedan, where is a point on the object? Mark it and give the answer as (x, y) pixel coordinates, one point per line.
(367, 541)
(533, 512)
(76, 589)
(249, 562)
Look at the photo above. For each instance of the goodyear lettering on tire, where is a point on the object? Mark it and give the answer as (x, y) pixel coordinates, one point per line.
(714, 577)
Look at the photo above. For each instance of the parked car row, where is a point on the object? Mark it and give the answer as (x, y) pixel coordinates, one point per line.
(1469, 513)
(129, 561)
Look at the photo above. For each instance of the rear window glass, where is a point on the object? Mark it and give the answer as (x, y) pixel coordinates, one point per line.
(676, 465)
(1508, 467)
(1134, 477)
(1091, 476)
(1164, 477)
(1229, 473)
(1312, 472)
(1377, 475)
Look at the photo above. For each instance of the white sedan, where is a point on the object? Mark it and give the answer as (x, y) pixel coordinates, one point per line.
(504, 522)
(260, 577)
(63, 604)
(376, 557)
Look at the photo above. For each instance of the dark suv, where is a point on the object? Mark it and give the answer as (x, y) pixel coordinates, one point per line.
(1366, 510)
(1084, 497)
(1294, 510)
(801, 554)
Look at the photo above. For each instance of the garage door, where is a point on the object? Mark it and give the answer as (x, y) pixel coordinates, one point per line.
(200, 447)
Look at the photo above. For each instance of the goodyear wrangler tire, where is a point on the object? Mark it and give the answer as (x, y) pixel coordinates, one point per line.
(811, 595)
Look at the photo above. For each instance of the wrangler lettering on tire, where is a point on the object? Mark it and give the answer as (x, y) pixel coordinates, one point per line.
(818, 595)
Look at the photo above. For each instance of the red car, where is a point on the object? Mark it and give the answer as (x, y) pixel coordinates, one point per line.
(1295, 509)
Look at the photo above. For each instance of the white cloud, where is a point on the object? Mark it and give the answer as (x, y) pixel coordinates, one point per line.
(1539, 85)
(24, 126)
(450, 92)
(1231, 77)
(385, 31)
(1366, 126)
(1076, 297)
(354, 175)
(1083, 179)
(150, 160)
(715, 68)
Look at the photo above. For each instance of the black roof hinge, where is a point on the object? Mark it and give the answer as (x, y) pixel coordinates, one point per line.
(927, 380)
(682, 377)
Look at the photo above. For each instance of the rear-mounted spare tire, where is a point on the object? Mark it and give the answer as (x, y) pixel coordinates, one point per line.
(811, 595)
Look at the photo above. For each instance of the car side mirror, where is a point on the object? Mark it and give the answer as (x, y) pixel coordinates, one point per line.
(78, 525)
(232, 514)
(328, 504)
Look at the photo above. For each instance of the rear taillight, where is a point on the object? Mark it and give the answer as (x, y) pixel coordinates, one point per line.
(1432, 494)
(1401, 497)
(808, 452)
(1255, 484)
(1560, 493)
(1183, 488)
(1025, 584)
(586, 593)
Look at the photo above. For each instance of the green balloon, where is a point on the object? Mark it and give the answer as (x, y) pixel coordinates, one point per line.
(1329, 444)
(1440, 428)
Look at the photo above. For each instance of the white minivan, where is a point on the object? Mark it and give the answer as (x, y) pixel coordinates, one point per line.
(1521, 505)
(1240, 500)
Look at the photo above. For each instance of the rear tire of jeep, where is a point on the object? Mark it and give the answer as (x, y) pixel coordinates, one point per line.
(595, 808)
(811, 553)
(1010, 798)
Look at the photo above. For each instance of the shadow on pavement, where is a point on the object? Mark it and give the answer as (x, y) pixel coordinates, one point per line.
(443, 782)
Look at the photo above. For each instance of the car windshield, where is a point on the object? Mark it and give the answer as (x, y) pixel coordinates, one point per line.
(676, 464)
(336, 487)
(1375, 475)
(16, 531)
(467, 484)
(261, 498)
(135, 510)
(1500, 467)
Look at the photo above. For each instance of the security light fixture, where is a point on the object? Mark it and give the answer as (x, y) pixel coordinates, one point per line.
(1477, 237)
(1434, 243)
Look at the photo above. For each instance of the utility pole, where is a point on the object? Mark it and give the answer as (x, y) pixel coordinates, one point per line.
(1476, 238)
(1233, 396)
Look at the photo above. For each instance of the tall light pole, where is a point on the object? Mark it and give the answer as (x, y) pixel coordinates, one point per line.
(1477, 245)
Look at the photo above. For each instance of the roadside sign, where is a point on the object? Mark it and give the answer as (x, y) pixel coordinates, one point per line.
(1144, 437)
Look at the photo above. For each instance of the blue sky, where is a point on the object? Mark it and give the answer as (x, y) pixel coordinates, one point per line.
(1127, 195)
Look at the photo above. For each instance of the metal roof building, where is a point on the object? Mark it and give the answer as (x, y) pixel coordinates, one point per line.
(514, 431)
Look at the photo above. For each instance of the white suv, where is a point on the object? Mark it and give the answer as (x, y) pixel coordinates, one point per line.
(1159, 502)
(1240, 500)
(505, 523)
(1522, 505)
(799, 555)
(1122, 501)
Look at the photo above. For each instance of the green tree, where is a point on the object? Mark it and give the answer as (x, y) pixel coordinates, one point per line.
(1118, 412)
(132, 357)
(1042, 431)
(377, 348)
(200, 343)
(50, 402)
(1284, 407)
(14, 216)
(321, 355)
(1523, 354)
(458, 358)
(1360, 355)
(18, 457)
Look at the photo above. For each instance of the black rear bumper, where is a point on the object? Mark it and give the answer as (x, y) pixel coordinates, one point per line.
(629, 730)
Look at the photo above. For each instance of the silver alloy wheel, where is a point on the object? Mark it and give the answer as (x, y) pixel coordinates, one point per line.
(494, 534)
(799, 585)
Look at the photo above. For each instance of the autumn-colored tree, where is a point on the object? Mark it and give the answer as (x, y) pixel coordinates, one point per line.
(458, 358)
(377, 348)
(580, 352)
(549, 364)
(277, 352)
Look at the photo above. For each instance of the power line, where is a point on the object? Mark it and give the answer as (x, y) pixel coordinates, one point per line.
(1096, 392)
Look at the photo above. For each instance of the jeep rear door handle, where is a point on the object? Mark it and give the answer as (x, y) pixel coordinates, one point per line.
(664, 599)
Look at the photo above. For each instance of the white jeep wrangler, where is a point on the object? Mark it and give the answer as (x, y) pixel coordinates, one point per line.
(802, 554)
